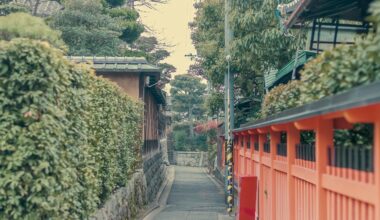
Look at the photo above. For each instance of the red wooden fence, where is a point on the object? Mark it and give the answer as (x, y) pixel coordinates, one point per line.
(299, 182)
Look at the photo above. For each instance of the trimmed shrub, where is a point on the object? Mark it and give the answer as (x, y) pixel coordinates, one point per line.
(281, 98)
(39, 159)
(331, 72)
(340, 69)
(23, 25)
(7, 8)
(115, 126)
(68, 138)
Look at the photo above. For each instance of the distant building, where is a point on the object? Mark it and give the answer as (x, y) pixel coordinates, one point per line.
(139, 80)
(42, 8)
(326, 29)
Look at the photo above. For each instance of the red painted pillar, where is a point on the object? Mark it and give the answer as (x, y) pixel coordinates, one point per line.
(324, 137)
(262, 139)
(274, 141)
(293, 138)
(376, 164)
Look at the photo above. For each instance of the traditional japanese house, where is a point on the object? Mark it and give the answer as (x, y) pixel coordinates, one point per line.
(140, 80)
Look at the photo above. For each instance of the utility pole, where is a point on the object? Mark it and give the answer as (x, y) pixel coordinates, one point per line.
(229, 109)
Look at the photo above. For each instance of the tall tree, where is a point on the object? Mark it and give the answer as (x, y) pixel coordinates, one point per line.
(188, 94)
(127, 20)
(8, 7)
(115, 3)
(155, 53)
(87, 30)
(258, 46)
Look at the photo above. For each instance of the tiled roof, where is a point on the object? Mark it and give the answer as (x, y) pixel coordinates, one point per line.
(126, 65)
(118, 64)
(354, 10)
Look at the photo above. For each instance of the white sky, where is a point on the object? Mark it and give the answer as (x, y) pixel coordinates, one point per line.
(169, 23)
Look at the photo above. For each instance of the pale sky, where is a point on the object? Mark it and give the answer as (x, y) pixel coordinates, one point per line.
(169, 23)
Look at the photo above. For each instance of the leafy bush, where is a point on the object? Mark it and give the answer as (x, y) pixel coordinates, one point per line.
(114, 3)
(340, 69)
(181, 140)
(331, 72)
(115, 126)
(8, 8)
(39, 161)
(69, 138)
(281, 98)
(24, 25)
(185, 139)
(125, 13)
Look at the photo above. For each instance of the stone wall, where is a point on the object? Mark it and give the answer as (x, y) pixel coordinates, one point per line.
(155, 172)
(140, 191)
(192, 159)
(170, 143)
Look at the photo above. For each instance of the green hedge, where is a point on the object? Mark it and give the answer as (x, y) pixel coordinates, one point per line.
(332, 72)
(281, 98)
(340, 69)
(68, 138)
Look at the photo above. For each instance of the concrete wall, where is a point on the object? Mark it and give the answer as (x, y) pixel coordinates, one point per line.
(125, 203)
(192, 159)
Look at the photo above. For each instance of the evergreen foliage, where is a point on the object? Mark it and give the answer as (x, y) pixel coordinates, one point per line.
(22, 25)
(114, 3)
(150, 48)
(340, 69)
(88, 28)
(126, 18)
(69, 138)
(257, 47)
(188, 97)
(281, 98)
(332, 72)
(186, 140)
(6, 8)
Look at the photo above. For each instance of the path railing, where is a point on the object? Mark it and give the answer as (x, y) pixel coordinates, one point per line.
(317, 180)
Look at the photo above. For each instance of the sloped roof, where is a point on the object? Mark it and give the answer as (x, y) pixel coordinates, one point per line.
(126, 65)
(274, 78)
(118, 64)
(354, 10)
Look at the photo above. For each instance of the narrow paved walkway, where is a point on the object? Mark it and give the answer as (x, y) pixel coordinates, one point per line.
(194, 196)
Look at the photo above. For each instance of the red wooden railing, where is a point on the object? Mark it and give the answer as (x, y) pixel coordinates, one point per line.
(300, 182)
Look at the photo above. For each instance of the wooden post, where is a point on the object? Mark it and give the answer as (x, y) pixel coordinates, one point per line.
(376, 164)
(324, 138)
(246, 137)
(274, 141)
(262, 138)
(293, 138)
